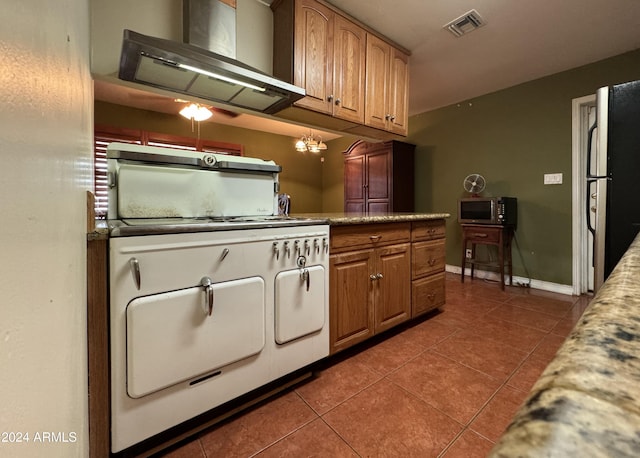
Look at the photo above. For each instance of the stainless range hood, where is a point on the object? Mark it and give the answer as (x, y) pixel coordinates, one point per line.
(191, 70)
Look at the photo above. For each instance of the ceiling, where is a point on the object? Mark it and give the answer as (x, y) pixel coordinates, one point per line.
(521, 40)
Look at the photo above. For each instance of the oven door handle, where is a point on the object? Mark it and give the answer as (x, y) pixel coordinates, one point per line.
(208, 290)
(304, 275)
(134, 265)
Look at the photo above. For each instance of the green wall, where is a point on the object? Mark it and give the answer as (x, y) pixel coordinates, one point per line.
(513, 137)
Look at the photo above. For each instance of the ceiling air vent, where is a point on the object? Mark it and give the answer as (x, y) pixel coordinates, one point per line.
(466, 23)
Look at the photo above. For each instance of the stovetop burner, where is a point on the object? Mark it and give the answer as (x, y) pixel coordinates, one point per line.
(151, 226)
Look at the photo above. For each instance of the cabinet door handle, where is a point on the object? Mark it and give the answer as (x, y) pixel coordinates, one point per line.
(330, 98)
(432, 262)
(373, 277)
(337, 101)
(479, 235)
(393, 118)
(379, 276)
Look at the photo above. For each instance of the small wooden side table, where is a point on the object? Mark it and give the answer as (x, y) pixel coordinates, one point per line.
(488, 234)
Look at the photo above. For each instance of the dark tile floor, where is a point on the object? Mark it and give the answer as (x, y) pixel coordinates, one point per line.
(446, 386)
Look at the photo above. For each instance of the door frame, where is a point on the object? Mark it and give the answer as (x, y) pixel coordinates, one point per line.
(579, 132)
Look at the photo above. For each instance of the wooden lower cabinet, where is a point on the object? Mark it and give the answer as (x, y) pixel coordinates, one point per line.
(350, 296)
(369, 281)
(428, 258)
(381, 275)
(427, 294)
(392, 297)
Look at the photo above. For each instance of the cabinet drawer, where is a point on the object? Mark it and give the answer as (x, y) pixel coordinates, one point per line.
(427, 293)
(427, 258)
(482, 234)
(427, 230)
(362, 236)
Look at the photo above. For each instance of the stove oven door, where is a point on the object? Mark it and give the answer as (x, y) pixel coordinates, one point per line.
(171, 337)
(299, 303)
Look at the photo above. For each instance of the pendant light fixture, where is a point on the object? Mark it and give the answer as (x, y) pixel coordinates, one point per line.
(309, 143)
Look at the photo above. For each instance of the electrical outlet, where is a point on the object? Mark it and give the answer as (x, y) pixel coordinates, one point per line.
(552, 178)
(467, 253)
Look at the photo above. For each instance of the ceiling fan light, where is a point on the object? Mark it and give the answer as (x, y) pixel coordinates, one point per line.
(188, 111)
(196, 112)
(202, 114)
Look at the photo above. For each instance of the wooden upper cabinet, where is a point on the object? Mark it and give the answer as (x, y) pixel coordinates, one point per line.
(377, 82)
(355, 80)
(313, 54)
(399, 92)
(349, 69)
(386, 90)
(330, 61)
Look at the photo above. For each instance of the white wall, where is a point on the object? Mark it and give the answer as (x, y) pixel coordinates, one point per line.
(45, 148)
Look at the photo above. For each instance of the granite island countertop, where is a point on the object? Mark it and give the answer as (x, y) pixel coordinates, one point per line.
(586, 403)
(102, 228)
(342, 219)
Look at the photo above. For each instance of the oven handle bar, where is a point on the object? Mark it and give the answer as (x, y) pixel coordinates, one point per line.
(208, 290)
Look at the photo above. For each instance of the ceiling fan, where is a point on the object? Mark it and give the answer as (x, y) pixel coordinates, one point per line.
(215, 110)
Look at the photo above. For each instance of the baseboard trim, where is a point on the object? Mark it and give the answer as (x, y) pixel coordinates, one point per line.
(533, 283)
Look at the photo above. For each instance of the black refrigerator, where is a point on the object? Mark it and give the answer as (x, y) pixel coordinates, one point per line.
(613, 176)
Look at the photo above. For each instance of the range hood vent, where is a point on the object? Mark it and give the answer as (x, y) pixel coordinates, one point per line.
(191, 70)
(466, 23)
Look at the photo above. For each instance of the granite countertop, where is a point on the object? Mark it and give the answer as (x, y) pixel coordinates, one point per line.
(587, 401)
(341, 219)
(102, 230)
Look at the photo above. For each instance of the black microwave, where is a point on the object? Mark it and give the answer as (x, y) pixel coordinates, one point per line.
(488, 210)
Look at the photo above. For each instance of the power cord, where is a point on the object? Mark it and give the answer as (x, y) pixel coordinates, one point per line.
(526, 271)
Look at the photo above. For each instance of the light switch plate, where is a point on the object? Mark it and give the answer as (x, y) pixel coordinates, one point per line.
(553, 178)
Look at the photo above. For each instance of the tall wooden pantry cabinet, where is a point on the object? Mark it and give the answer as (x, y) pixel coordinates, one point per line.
(378, 177)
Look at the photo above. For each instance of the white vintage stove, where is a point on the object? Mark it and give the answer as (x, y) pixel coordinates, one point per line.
(212, 293)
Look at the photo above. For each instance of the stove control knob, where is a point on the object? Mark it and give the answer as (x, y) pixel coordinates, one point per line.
(325, 245)
(276, 250)
(307, 247)
(287, 249)
(296, 247)
(316, 246)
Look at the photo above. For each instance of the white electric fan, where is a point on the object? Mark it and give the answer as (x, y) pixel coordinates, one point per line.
(474, 184)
